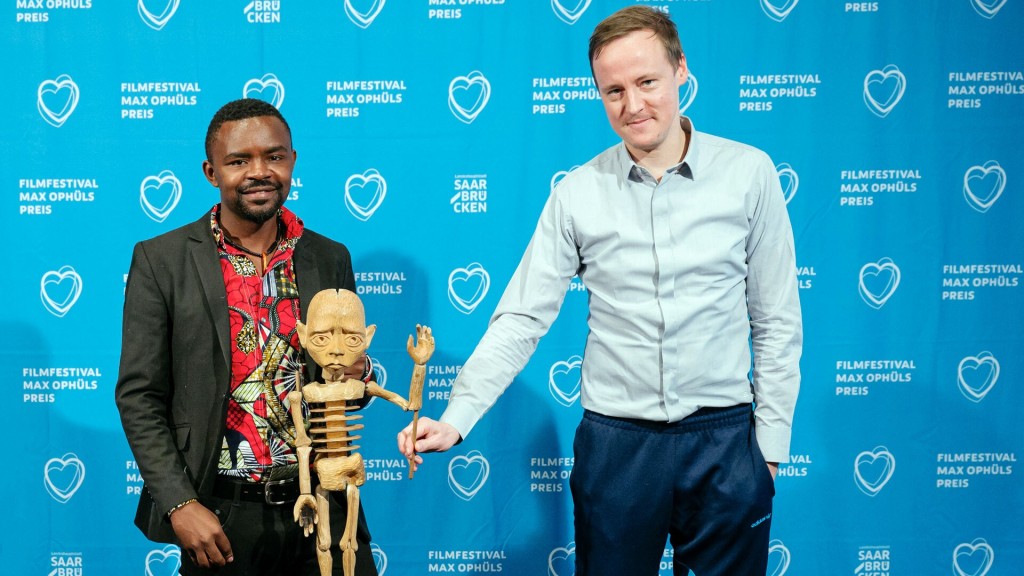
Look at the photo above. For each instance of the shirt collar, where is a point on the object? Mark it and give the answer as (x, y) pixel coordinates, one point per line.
(631, 171)
(291, 224)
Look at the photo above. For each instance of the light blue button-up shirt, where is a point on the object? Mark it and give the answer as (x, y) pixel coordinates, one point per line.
(682, 275)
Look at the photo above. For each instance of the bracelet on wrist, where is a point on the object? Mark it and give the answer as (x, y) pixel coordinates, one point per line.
(180, 506)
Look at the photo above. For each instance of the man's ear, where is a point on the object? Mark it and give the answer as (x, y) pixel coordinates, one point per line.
(301, 329)
(209, 173)
(370, 331)
(682, 72)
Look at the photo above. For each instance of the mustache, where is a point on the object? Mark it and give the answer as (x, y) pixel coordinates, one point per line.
(259, 184)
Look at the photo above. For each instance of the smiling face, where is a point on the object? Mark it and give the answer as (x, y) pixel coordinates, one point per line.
(251, 162)
(335, 333)
(639, 88)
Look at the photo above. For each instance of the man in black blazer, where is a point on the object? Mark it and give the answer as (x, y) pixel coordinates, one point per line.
(209, 354)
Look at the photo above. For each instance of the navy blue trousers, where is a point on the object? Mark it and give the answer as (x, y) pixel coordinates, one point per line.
(701, 482)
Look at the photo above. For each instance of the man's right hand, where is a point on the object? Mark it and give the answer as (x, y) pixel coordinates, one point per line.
(431, 436)
(200, 534)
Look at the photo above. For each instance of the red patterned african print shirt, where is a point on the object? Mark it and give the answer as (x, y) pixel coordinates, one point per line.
(266, 357)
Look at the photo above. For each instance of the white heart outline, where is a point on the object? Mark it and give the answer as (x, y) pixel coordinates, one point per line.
(979, 173)
(977, 394)
(873, 488)
(776, 13)
(159, 214)
(258, 85)
(364, 19)
(464, 462)
(558, 176)
(58, 494)
(788, 188)
(56, 277)
(565, 367)
(158, 22)
(161, 555)
(57, 119)
(364, 213)
(878, 77)
(380, 559)
(987, 10)
(381, 374)
(468, 305)
(570, 17)
(560, 553)
(965, 549)
(876, 301)
(689, 92)
(778, 547)
(468, 115)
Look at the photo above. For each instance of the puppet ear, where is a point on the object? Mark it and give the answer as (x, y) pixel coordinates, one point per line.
(370, 331)
(301, 329)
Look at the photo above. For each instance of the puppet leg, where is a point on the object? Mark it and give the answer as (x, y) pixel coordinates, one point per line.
(323, 531)
(348, 542)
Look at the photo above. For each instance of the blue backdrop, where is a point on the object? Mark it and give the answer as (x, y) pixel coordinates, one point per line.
(429, 134)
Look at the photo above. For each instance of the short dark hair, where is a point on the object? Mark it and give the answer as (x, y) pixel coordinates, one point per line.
(633, 19)
(240, 110)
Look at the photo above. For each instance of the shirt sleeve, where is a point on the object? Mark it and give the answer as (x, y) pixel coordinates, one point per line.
(524, 314)
(774, 307)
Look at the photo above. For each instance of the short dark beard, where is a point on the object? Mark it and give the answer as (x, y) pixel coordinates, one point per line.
(265, 212)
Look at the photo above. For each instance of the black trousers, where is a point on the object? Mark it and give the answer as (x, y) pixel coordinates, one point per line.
(266, 540)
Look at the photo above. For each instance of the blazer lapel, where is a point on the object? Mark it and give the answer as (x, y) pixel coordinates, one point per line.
(307, 276)
(204, 255)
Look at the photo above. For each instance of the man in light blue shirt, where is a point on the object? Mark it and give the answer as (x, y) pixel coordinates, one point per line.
(684, 244)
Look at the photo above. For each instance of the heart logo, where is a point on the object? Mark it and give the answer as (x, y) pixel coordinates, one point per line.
(66, 284)
(989, 179)
(467, 474)
(988, 9)
(973, 559)
(569, 15)
(56, 99)
(558, 176)
(158, 21)
(564, 380)
(63, 477)
(364, 18)
(164, 561)
(364, 193)
(267, 88)
(778, 558)
(976, 375)
(878, 282)
(562, 561)
(778, 11)
(872, 470)
(166, 188)
(789, 180)
(472, 88)
(380, 559)
(467, 287)
(883, 90)
(688, 93)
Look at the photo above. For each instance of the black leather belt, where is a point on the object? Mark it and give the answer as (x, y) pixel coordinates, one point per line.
(273, 492)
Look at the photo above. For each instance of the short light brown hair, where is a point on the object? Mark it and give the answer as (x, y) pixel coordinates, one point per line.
(633, 19)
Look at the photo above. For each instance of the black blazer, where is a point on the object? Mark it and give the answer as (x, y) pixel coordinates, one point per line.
(175, 371)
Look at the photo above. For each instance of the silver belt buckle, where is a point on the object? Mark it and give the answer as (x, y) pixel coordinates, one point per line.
(268, 489)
